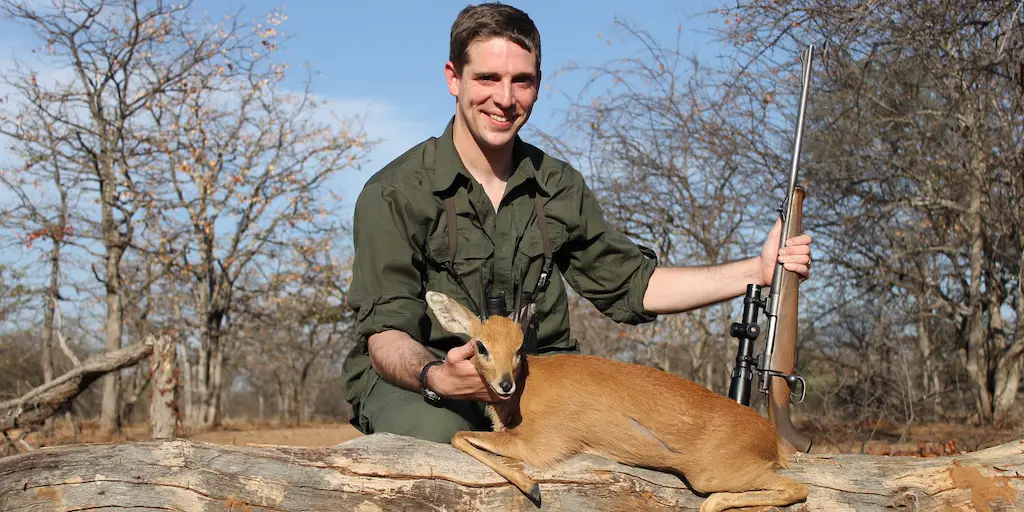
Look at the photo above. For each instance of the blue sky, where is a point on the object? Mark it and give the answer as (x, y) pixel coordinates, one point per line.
(387, 58)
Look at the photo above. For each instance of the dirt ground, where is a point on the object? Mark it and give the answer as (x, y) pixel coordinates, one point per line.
(312, 436)
(232, 432)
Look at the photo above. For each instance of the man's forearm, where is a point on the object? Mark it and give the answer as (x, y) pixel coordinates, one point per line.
(398, 358)
(679, 289)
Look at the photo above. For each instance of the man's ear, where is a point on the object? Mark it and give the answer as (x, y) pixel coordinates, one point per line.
(453, 78)
(454, 317)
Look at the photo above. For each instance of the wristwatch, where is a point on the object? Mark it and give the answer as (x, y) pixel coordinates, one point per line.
(428, 394)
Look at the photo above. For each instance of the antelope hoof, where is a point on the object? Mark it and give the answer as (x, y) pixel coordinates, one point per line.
(534, 494)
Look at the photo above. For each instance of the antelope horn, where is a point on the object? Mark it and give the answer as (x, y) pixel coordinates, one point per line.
(483, 302)
(518, 301)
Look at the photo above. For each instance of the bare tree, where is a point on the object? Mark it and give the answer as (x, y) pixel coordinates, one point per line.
(247, 161)
(915, 149)
(302, 326)
(34, 218)
(673, 154)
(196, 153)
(122, 57)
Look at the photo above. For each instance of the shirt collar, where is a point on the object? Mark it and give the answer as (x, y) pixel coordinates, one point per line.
(448, 165)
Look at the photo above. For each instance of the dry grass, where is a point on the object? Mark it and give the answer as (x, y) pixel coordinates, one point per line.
(237, 432)
(923, 440)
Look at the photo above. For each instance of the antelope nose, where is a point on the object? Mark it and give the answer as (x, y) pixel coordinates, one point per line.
(507, 385)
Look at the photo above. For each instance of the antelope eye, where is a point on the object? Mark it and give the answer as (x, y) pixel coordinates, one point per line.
(481, 349)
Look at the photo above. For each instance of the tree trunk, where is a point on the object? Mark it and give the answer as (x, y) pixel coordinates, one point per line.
(974, 351)
(46, 354)
(109, 410)
(189, 384)
(216, 389)
(282, 401)
(929, 377)
(296, 402)
(53, 292)
(1010, 364)
(211, 360)
(111, 382)
(163, 414)
(186, 410)
(388, 472)
(1007, 378)
(202, 377)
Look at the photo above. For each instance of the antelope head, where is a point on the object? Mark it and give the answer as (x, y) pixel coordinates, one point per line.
(498, 339)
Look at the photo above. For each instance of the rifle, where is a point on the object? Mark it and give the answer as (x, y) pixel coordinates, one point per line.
(776, 365)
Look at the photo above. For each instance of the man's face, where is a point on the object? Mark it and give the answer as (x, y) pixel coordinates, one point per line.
(496, 91)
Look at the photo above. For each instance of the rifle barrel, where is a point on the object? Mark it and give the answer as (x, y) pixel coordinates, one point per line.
(773, 296)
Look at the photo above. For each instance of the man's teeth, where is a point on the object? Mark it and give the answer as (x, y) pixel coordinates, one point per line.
(500, 119)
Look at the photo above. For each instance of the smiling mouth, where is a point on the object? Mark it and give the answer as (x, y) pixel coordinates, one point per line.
(500, 119)
(504, 396)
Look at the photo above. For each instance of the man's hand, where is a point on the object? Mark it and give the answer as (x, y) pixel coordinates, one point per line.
(795, 256)
(458, 379)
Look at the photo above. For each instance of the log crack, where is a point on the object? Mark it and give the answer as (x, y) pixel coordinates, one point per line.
(227, 500)
(642, 479)
(844, 490)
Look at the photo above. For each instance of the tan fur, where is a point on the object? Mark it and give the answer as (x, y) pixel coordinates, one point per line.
(568, 404)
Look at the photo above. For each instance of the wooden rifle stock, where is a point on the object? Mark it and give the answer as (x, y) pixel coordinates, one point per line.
(783, 357)
(777, 364)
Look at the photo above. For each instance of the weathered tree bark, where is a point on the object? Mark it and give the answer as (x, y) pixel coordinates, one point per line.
(46, 400)
(388, 472)
(163, 407)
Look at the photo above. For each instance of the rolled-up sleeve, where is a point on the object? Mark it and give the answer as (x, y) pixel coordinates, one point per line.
(388, 265)
(605, 266)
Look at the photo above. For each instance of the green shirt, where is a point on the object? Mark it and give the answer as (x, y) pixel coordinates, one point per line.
(401, 246)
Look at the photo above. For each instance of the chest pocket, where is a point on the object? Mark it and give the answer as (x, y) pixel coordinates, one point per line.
(532, 245)
(472, 252)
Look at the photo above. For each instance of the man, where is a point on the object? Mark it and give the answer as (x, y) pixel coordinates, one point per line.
(479, 213)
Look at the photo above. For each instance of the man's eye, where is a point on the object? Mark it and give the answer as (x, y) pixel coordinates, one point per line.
(481, 349)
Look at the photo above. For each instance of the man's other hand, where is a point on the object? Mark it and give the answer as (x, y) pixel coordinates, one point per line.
(795, 256)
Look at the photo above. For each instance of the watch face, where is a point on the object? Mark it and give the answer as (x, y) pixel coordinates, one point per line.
(431, 396)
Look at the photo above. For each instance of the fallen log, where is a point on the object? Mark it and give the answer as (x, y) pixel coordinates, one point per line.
(388, 472)
(44, 401)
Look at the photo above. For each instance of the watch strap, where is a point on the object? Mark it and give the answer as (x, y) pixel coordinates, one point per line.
(428, 393)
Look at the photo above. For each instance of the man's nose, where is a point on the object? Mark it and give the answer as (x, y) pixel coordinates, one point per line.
(503, 97)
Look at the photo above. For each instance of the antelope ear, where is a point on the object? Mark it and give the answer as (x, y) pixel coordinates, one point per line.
(454, 317)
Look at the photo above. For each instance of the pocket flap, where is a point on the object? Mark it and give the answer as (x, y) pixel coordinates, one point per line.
(471, 246)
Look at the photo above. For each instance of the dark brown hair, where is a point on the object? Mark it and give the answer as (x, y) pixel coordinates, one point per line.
(489, 20)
